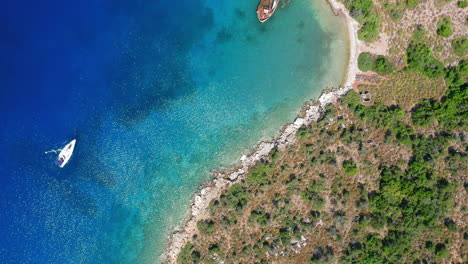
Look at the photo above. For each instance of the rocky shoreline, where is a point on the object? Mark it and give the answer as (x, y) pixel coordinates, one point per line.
(212, 189)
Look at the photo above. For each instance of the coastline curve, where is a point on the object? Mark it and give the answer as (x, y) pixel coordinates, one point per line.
(198, 209)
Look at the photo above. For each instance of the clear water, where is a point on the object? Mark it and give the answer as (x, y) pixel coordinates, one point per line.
(158, 94)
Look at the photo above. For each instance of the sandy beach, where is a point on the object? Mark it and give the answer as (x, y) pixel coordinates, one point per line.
(311, 112)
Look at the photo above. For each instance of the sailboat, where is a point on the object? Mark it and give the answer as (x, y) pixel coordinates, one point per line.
(65, 154)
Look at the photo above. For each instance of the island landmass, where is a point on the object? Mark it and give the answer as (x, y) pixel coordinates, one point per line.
(372, 172)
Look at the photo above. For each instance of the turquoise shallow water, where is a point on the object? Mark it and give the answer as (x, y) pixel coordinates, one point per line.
(160, 100)
(251, 79)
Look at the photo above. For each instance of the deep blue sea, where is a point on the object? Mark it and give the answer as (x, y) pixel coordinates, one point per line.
(158, 94)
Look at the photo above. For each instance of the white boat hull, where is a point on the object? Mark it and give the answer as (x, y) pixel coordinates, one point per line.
(66, 153)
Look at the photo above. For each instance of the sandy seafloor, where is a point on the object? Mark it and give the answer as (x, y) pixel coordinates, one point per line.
(158, 102)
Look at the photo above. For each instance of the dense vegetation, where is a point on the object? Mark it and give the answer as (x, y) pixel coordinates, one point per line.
(451, 112)
(361, 10)
(412, 201)
(379, 64)
(462, 4)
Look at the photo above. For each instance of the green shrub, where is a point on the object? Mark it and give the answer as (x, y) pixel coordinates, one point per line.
(453, 76)
(379, 64)
(259, 216)
(462, 4)
(352, 99)
(350, 168)
(327, 157)
(430, 246)
(302, 133)
(228, 220)
(441, 250)
(285, 236)
(361, 10)
(379, 114)
(340, 218)
(365, 62)
(396, 14)
(462, 68)
(214, 248)
(382, 66)
(366, 252)
(420, 59)
(235, 197)
(313, 198)
(454, 110)
(450, 224)
(403, 133)
(369, 31)
(275, 154)
(314, 216)
(321, 255)
(424, 114)
(419, 34)
(258, 175)
(412, 3)
(460, 46)
(377, 222)
(444, 27)
(188, 255)
(347, 136)
(206, 227)
(329, 113)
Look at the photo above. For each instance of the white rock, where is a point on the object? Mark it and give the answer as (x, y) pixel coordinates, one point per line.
(299, 122)
(233, 176)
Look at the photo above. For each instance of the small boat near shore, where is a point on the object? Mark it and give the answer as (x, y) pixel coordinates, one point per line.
(266, 8)
(65, 154)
